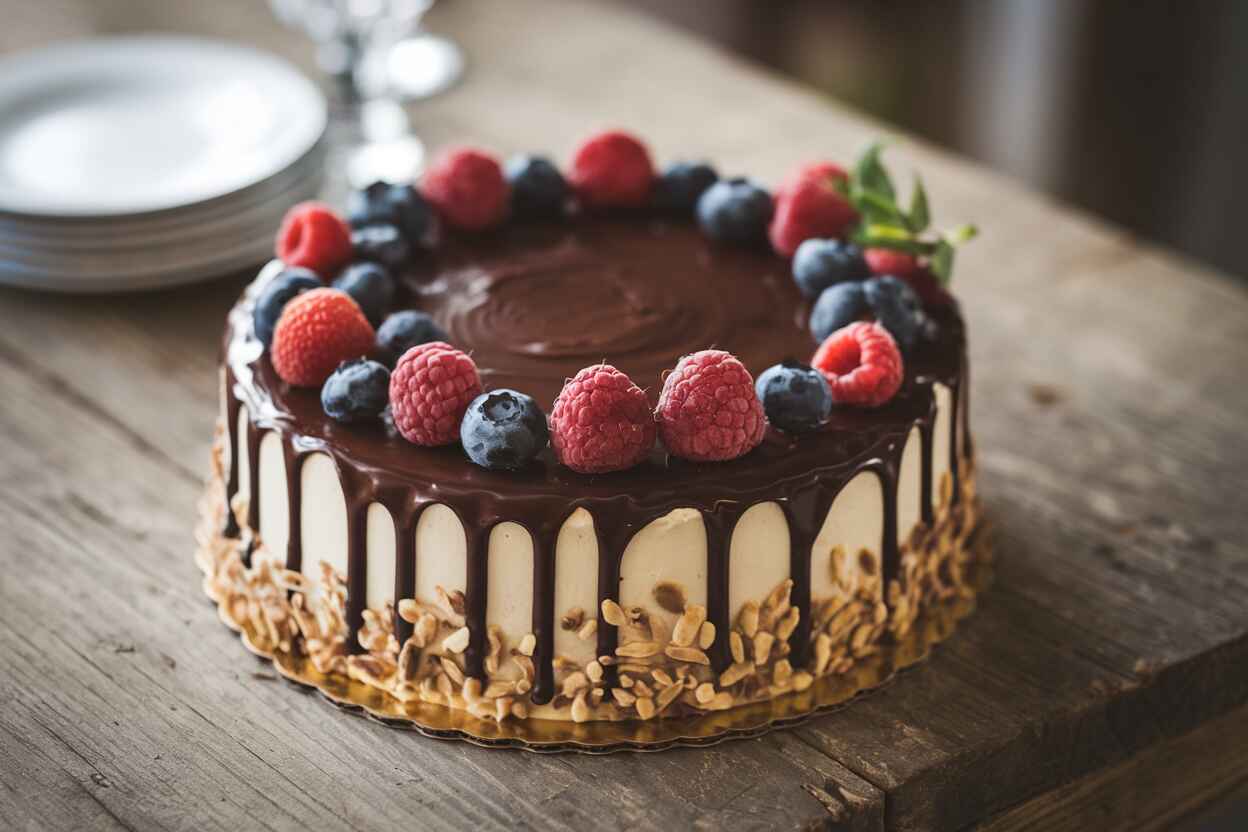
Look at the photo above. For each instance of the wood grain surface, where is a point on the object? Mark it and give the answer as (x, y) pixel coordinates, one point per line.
(1103, 681)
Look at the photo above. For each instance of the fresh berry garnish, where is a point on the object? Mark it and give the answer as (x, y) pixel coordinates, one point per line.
(897, 307)
(404, 330)
(601, 422)
(384, 203)
(358, 390)
(430, 389)
(861, 364)
(837, 307)
(503, 430)
(820, 263)
(538, 189)
(316, 332)
(313, 237)
(384, 244)
(677, 190)
(886, 261)
(735, 211)
(810, 206)
(795, 397)
(371, 287)
(274, 297)
(708, 410)
(611, 170)
(467, 187)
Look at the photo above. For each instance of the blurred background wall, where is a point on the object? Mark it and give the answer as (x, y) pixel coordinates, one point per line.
(1134, 110)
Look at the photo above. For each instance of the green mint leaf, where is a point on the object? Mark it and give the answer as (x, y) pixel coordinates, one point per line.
(876, 208)
(870, 175)
(919, 217)
(961, 234)
(942, 262)
(890, 239)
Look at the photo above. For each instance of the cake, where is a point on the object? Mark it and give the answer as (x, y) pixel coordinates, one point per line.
(553, 445)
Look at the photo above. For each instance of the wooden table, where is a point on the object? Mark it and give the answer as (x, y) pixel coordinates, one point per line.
(1103, 682)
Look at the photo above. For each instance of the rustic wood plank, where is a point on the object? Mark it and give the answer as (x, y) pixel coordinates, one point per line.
(1149, 791)
(133, 682)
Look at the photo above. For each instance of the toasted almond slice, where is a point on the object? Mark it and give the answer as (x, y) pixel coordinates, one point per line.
(452, 670)
(735, 673)
(788, 624)
(641, 688)
(686, 629)
(588, 629)
(748, 618)
(574, 683)
(660, 676)
(645, 707)
(502, 708)
(593, 670)
(637, 649)
(457, 641)
(612, 613)
(519, 710)
(762, 646)
(622, 697)
(823, 653)
(580, 709)
(472, 689)
(687, 654)
(737, 646)
(528, 644)
(498, 688)
(782, 672)
(802, 680)
(668, 694)
(704, 693)
(523, 686)
(721, 702)
(706, 635)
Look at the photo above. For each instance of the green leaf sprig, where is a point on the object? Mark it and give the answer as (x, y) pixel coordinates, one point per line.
(885, 224)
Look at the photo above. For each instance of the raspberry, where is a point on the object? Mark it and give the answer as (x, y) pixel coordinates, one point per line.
(313, 237)
(886, 261)
(430, 389)
(861, 363)
(612, 169)
(601, 422)
(467, 187)
(708, 410)
(808, 205)
(316, 332)
(883, 261)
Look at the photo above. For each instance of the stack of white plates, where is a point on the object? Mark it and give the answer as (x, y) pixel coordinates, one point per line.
(131, 163)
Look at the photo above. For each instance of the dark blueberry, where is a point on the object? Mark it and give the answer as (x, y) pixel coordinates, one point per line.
(276, 294)
(839, 306)
(795, 397)
(404, 330)
(678, 188)
(382, 203)
(735, 211)
(371, 286)
(820, 263)
(384, 244)
(358, 390)
(503, 430)
(538, 189)
(897, 307)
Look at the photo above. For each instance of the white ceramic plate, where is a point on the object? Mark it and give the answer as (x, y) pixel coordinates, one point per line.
(123, 126)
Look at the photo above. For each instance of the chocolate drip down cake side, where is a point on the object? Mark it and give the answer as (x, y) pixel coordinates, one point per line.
(597, 458)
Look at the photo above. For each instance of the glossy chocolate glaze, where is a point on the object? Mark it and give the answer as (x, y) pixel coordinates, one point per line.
(534, 304)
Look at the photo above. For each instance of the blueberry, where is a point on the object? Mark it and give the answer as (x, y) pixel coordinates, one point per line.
(838, 306)
(276, 294)
(735, 211)
(404, 330)
(818, 264)
(370, 286)
(384, 244)
(795, 397)
(358, 390)
(382, 203)
(897, 307)
(503, 430)
(678, 188)
(538, 189)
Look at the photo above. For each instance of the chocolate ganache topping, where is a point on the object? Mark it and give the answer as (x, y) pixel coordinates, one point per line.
(535, 303)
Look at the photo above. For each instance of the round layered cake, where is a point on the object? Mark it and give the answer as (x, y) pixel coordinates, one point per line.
(672, 588)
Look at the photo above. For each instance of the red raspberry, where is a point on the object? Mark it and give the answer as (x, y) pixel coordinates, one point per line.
(316, 332)
(313, 237)
(708, 410)
(601, 422)
(808, 205)
(430, 388)
(467, 187)
(612, 169)
(861, 363)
